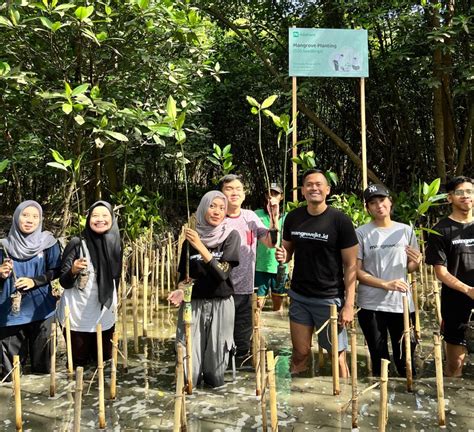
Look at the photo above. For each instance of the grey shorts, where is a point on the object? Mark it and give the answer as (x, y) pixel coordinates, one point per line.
(314, 312)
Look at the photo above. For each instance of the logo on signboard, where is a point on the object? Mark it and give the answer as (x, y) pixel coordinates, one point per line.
(296, 34)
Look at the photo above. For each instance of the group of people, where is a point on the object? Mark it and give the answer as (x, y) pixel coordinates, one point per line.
(88, 270)
(330, 256)
(219, 259)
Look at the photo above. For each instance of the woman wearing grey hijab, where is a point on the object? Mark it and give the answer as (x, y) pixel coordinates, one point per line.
(213, 252)
(29, 260)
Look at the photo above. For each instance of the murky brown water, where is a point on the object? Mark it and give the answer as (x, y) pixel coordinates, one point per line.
(145, 393)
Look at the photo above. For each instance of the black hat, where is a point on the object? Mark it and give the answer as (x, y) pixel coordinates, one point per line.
(276, 187)
(375, 190)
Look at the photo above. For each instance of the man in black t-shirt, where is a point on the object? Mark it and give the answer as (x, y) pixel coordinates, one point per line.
(324, 243)
(452, 255)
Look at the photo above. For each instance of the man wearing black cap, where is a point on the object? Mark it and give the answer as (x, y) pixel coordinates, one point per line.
(266, 265)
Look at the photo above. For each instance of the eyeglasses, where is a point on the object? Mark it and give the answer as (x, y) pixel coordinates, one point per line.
(462, 192)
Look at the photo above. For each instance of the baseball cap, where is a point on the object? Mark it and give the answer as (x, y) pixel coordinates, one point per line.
(276, 187)
(375, 190)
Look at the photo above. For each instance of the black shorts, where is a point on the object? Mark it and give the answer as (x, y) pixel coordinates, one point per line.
(455, 311)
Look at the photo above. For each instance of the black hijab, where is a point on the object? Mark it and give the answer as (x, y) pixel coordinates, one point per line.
(106, 254)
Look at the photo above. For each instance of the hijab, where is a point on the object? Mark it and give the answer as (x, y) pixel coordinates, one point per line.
(211, 235)
(106, 254)
(26, 246)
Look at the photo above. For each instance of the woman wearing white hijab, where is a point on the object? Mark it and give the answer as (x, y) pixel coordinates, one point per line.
(213, 252)
(30, 260)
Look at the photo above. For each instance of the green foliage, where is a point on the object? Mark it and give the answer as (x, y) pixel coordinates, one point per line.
(352, 206)
(139, 210)
(3, 167)
(222, 158)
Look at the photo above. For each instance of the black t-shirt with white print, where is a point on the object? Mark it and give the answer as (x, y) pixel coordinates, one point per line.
(318, 241)
(453, 249)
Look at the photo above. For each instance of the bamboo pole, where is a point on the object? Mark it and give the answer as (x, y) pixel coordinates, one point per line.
(294, 135)
(439, 380)
(255, 335)
(171, 274)
(17, 392)
(157, 277)
(363, 133)
(146, 269)
(162, 270)
(78, 399)
(179, 396)
(52, 371)
(100, 377)
(113, 367)
(334, 351)
(124, 322)
(355, 401)
(383, 408)
(135, 312)
(70, 367)
(272, 391)
(187, 319)
(137, 261)
(168, 265)
(406, 337)
(263, 376)
(414, 290)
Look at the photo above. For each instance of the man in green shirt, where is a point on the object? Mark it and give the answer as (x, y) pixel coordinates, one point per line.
(267, 266)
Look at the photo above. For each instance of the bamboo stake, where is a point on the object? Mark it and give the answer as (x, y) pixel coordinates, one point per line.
(17, 392)
(78, 399)
(187, 319)
(414, 290)
(363, 133)
(67, 321)
(255, 336)
(168, 265)
(172, 276)
(178, 402)
(437, 301)
(100, 377)
(272, 389)
(263, 375)
(157, 283)
(124, 322)
(162, 270)
(355, 401)
(439, 380)
(146, 269)
(294, 136)
(113, 367)
(135, 312)
(137, 261)
(334, 351)
(383, 408)
(406, 333)
(52, 376)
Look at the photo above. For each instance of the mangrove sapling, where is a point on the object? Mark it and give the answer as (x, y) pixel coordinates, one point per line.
(175, 122)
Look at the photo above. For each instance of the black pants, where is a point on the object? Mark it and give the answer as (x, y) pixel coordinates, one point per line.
(84, 346)
(376, 325)
(243, 323)
(25, 340)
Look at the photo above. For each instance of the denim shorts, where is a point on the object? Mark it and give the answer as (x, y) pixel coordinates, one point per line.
(314, 312)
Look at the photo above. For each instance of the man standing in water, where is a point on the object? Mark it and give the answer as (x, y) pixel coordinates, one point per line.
(266, 278)
(324, 243)
(250, 229)
(452, 255)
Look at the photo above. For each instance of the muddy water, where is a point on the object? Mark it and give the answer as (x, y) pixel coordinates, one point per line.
(145, 393)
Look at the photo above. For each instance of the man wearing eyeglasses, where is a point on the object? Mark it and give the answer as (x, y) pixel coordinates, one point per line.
(451, 252)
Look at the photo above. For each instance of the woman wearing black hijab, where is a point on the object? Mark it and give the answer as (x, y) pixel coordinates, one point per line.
(90, 273)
